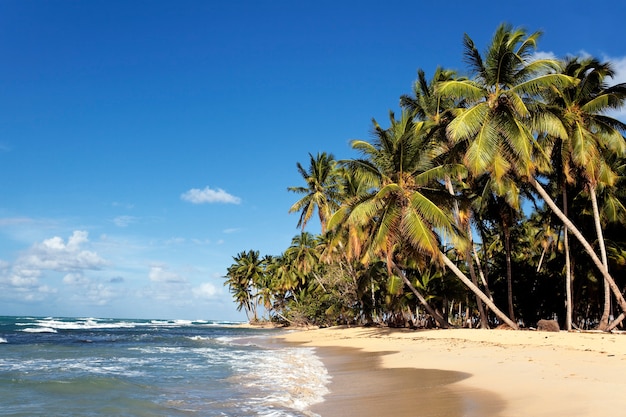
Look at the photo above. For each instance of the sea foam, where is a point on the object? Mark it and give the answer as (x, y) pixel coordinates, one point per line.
(294, 378)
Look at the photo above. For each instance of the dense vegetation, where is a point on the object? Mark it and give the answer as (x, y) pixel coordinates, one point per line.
(492, 198)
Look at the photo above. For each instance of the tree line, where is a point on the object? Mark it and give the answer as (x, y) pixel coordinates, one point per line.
(495, 198)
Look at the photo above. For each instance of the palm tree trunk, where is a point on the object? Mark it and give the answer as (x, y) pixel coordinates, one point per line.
(483, 279)
(499, 314)
(442, 322)
(567, 222)
(509, 271)
(616, 322)
(604, 320)
(484, 323)
(568, 269)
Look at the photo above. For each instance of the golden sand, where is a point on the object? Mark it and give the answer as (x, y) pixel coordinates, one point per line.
(391, 372)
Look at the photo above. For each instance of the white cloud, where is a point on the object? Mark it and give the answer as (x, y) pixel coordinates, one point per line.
(75, 278)
(201, 242)
(206, 291)
(84, 291)
(56, 255)
(39, 293)
(542, 55)
(619, 66)
(175, 241)
(98, 293)
(160, 273)
(208, 195)
(124, 221)
(21, 278)
(123, 205)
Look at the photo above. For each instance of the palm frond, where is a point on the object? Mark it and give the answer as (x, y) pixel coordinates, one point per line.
(472, 57)
(482, 149)
(603, 102)
(468, 122)
(537, 85)
(546, 122)
(466, 89)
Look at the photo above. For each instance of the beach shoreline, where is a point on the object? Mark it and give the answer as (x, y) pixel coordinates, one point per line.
(476, 372)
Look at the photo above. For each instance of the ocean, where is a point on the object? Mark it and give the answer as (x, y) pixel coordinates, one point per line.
(111, 367)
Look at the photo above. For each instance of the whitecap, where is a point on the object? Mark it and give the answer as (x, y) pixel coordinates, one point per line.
(82, 324)
(228, 323)
(199, 338)
(160, 322)
(39, 330)
(3, 340)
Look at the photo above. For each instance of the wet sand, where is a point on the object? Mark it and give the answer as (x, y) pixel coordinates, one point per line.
(495, 373)
(362, 387)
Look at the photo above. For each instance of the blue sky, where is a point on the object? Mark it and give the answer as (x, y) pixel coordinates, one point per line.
(145, 143)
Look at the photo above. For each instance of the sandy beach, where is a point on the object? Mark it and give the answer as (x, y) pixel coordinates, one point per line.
(464, 372)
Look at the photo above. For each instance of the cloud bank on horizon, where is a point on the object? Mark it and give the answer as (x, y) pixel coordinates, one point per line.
(61, 271)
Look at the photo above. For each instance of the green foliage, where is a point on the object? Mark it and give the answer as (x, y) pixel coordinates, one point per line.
(451, 175)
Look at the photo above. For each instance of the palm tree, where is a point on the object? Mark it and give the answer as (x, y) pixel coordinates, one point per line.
(304, 257)
(321, 191)
(499, 102)
(427, 105)
(502, 110)
(591, 134)
(493, 119)
(505, 212)
(407, 205)
(244, 277)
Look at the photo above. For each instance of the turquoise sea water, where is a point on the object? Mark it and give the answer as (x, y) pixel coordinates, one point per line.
(111, 367)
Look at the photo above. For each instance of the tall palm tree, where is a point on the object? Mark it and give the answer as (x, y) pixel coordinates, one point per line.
(505, 212)
(428, 105)
(502, 111)
(499, 102)
(590, 135)
(493, 119)
(321, 191)
(409, 209)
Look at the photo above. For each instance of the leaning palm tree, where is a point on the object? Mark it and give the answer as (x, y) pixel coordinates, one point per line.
(591, 135)
(321, 191)
(409, 209)
(503, 111)
(428, 105)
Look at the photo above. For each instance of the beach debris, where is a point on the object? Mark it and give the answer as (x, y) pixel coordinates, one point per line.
(548, 326)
